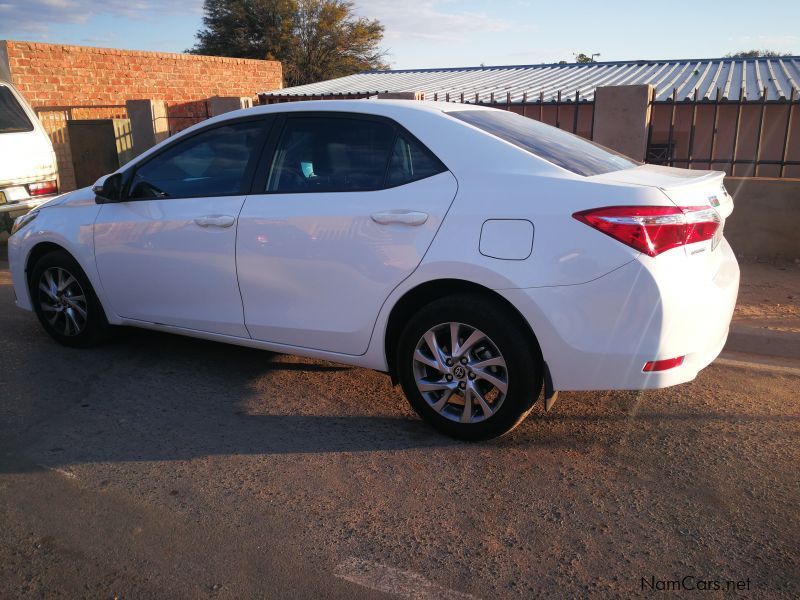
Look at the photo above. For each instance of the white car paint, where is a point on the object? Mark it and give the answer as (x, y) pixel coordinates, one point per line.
(301, 256)
(26, 157)
(155, 262)
(508, 239)
(319, 276)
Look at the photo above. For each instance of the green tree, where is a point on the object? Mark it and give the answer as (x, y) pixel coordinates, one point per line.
(757, 54)
(582, 58)
(313, 39)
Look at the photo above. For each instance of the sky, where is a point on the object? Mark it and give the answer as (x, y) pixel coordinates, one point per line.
(451, 33)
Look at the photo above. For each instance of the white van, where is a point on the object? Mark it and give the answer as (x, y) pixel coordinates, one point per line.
(28, 171)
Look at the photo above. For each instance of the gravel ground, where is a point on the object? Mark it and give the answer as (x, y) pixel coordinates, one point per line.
(769, 295)
(160, 466)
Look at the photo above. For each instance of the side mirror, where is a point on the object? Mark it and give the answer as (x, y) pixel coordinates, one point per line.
(108, 189)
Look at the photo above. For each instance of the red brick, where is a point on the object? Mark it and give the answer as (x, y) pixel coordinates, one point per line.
(75, 75)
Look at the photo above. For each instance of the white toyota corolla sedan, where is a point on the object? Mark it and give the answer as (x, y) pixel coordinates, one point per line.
(475, 255)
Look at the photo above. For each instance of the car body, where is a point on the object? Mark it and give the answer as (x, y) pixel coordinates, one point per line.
(28, 170)
(310, 256)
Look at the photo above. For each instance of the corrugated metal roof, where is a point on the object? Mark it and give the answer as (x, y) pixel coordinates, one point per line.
(728, 75)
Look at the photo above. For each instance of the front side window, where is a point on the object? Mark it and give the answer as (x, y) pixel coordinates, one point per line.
(545, 141)
(331, 154)
(12, 117)
(210, 163)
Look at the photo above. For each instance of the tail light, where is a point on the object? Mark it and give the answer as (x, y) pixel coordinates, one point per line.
(663, 365)
(654, 229)
(43, 188)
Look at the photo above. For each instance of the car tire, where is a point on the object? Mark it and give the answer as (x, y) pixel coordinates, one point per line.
(65, 302)
(6, 222)
(494, 374)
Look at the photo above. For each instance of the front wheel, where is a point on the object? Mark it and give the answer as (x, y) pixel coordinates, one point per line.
(65, 301)
(6, 222)
(468, 368)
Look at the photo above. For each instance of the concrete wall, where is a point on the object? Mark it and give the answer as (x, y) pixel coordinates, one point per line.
(766, 217)
(621, 118)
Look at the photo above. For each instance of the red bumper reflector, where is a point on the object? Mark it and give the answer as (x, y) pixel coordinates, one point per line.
(663, 365)
(43, 188)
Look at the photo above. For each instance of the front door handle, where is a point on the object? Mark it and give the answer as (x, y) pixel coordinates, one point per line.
(404, 217)
(215, 221)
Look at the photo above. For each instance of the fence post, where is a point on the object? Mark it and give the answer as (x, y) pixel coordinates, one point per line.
(789, 114)
(622, 118)
(149, 124)
(222, 104)
(760, 133)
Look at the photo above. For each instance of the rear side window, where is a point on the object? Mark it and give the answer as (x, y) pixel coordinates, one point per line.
(327, 154)
(550, 143)
(411, 162)
(12, 117)
(210, 163)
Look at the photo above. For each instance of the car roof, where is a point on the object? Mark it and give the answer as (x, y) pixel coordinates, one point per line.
(388, 108)
(403, 110)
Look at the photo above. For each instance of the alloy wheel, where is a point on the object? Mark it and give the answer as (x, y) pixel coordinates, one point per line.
(460, 372)
(63, 301)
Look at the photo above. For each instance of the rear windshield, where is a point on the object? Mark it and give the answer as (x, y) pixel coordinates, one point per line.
(12, 118)
(550, 143)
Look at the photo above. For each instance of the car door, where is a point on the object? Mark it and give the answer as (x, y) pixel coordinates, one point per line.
(166, 254)
(349, 206)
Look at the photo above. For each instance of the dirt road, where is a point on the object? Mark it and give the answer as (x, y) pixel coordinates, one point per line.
(160, 466)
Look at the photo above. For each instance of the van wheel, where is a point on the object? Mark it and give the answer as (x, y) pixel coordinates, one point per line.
(467, 367)
(6, 222)
(65, 302)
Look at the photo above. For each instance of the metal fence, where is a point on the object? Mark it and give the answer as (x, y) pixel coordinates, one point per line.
(54, 120)
(741, 137)
(570, 112)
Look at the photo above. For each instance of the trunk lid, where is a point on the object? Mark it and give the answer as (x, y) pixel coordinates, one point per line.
(685, 187)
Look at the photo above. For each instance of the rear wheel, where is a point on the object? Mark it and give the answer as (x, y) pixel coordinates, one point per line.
(468, 368)
(65, 302)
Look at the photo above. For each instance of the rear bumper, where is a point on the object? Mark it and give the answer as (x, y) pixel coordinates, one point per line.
(599, 335)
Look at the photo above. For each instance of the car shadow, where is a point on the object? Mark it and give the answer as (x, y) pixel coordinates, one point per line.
(153, 396)
(150, 396)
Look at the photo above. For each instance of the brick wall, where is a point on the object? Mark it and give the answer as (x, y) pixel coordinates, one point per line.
(64, 83)
(56, 75)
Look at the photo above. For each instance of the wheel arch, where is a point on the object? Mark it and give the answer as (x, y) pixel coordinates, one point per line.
(424, 293)
(45, 247)
(37, 252)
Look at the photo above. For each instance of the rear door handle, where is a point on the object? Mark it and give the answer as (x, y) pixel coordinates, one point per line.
(215, 221)
(404, 217)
